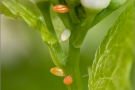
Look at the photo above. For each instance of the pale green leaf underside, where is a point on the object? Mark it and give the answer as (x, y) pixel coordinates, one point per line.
(14, 8)
(112, 63)
(6, 11)
(57, 23)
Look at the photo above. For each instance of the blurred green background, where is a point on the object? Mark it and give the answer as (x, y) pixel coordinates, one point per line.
(25, 59)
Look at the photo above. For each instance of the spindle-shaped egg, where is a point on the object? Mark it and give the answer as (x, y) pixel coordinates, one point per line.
(57, 71)
(61, 8)
(65, 35)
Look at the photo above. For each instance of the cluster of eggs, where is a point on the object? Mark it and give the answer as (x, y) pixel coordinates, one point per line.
(59, 72)
(93, 4)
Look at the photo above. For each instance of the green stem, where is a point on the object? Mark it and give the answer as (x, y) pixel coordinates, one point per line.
(63, 16)
(57, 54)
(84, 29)
(44, 7)
(73, 15)
(72, 65)
(56, 51)
(101, 16)
(71, 5)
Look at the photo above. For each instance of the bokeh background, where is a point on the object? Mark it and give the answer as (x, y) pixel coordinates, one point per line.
(26, 61)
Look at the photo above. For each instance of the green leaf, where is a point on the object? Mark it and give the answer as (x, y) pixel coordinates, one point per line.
(57, 23)
(56, 51)
(114, 57)
(114, 5)
(93, 17)
(15, 8)
(4, 10)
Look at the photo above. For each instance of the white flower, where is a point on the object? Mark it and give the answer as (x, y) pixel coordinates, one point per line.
(95, 4)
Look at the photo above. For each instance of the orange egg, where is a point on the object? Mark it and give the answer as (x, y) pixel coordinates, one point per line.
(61, 8)
(68, 80)
(57, 71)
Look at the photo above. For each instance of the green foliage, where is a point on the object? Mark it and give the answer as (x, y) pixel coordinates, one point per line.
(113, 60)
(58, 25)
(16, 9)
(6, 11)
(111, 67)
(114, 4)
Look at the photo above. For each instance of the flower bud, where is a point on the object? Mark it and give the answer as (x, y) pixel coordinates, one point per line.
(95, 4)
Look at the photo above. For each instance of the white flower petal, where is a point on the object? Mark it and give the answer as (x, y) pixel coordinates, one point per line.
(95, 4)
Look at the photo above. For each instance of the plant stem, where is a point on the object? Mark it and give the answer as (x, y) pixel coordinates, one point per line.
(57, 54)
(73, 15)
(84, 29)
(72, 65)
(65, 17)
(71, 5)
(44, 7)
(56, 51)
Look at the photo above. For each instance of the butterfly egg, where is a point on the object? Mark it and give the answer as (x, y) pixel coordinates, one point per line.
(57, 71)
(95, 4)
(61, 8)
(68, 80)
(65, 35)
